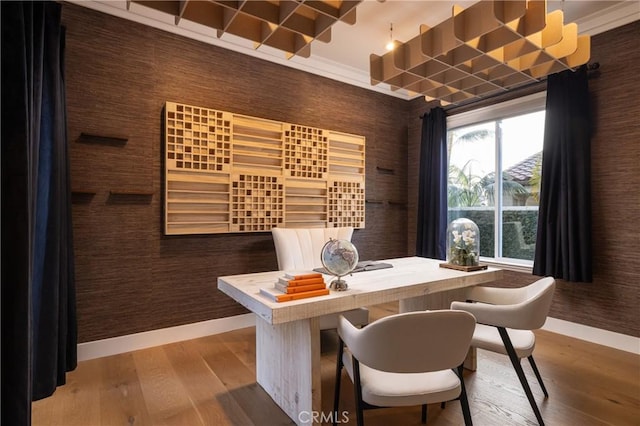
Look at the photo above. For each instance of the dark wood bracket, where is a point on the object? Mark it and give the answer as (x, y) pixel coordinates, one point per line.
(81, 196)
(104, 140)
(385, 171)
(129, 197)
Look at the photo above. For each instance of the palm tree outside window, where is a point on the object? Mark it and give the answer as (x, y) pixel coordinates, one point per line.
(506, 209)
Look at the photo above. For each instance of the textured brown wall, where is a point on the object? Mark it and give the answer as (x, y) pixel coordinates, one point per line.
(132, 278)
(611, 301)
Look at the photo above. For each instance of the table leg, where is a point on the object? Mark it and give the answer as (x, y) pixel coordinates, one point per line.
(288, 366)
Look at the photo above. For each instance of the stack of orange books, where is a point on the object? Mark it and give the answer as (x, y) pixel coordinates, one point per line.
(294, 286)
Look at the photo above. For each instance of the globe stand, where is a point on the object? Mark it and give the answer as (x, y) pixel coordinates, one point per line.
(339, 258)
(339, 285)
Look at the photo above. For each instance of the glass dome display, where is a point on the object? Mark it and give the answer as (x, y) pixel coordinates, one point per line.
(339, 257)
(463, 243)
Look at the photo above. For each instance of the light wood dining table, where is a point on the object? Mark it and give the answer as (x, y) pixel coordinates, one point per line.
(288, 334)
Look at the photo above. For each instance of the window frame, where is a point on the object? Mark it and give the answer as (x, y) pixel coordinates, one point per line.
(511, 108)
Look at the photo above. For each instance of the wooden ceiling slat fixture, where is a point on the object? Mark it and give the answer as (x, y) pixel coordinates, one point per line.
(203, 13)
(287, 25)
(491, 46)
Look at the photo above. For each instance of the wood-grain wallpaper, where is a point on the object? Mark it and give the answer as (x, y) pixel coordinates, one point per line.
(131, 278)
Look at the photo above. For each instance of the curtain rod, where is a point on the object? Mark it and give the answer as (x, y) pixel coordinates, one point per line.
(591, 68)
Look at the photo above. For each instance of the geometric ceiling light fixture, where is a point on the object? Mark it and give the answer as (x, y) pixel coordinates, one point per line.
(287, 25)
(490, 47)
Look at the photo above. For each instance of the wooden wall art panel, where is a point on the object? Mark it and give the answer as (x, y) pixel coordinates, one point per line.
(227, 172)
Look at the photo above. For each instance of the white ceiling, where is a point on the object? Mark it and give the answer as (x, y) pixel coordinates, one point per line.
(346, 57)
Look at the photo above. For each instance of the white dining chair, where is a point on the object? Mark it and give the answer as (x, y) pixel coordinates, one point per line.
(298, 249)
(506, 318)
(407, 359)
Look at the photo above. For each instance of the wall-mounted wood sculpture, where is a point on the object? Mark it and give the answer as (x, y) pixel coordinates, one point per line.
(226, 172)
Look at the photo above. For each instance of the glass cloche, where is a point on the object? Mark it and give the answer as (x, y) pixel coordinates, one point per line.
(463, 243)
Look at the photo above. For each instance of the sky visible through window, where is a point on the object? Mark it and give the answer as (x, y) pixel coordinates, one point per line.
(522, 137)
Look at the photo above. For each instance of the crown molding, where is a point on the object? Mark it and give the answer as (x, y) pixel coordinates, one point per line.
(617, 15)
(612, 17)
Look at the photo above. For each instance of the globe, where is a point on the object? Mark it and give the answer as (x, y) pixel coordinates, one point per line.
(339, 257)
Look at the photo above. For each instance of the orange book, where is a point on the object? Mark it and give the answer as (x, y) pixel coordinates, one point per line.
(278, 296)
(302, 275)
(299, 282)
(299, 288)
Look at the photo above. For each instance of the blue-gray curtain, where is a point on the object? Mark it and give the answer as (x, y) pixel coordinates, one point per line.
(39, 334)
(432, 196)
(563, 244)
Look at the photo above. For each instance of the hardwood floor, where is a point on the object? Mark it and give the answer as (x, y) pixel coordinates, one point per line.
(211, 381)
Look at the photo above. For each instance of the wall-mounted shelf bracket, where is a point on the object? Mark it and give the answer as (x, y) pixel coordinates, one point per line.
(385, 171)
(100, 139)
(119, 196)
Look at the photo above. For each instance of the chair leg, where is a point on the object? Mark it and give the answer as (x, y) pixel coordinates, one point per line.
(358, 392)
(464, 402)
(423, 418)
(534, 367)
(515, 361)
(336, 392)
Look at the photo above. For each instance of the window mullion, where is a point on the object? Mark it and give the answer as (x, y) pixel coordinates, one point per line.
(497, 191)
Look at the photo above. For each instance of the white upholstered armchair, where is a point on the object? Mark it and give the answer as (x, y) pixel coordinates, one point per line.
(299, 249)
(412, 358)
(506, 318)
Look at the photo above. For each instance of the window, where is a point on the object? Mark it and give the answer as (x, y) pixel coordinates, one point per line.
(502, 140)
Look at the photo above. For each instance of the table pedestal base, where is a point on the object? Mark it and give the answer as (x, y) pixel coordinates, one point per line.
(288, 366)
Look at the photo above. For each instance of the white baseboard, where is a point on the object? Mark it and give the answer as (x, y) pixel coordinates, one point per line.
(147, 339)
(619, 341)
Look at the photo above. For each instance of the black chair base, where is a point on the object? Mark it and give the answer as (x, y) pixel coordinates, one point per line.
(515, 361)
